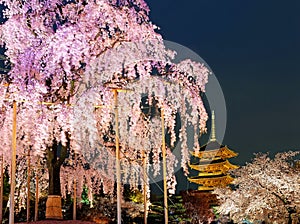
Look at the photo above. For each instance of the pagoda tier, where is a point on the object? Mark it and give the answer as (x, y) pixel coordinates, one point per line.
(212, 181)
(216, 166)
(214, 150)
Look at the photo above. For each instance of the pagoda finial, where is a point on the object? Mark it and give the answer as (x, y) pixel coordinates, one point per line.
(213, 127)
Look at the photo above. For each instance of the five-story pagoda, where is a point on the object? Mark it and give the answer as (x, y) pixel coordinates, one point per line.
(213, 164)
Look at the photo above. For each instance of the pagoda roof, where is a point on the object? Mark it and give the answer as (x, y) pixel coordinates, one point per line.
(214, 151)
(215, 166)
(207, 162)
(209, 177)
(211, 145)
(212, 181)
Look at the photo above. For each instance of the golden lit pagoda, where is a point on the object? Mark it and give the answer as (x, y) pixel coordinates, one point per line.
(213, 164)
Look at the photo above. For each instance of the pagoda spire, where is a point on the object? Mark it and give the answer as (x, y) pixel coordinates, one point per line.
(213, 127)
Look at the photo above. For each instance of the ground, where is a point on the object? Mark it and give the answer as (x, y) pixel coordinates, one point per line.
(59, 222)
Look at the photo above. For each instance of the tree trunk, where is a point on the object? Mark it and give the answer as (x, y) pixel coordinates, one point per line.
(293, 217)
(54, 179)
(55, 158)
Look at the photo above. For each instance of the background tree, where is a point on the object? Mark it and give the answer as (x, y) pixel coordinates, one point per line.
(199, 206)
(266, 189)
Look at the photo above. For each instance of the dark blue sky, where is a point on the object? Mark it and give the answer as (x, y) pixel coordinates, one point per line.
(253, 48)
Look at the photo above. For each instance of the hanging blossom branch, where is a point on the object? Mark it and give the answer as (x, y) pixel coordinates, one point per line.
(157, 82)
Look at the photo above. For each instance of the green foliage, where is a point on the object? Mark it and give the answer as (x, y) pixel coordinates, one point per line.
(176, 210)
(84, 196)
(215, 211)
(6, 190)
(133, 195)
(6, 187)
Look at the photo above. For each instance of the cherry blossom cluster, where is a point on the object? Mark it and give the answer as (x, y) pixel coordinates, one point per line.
(266, 189)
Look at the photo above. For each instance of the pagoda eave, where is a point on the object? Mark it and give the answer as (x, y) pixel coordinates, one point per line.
(224, 152)
(212, 181)
(204, 188)
(214, 167)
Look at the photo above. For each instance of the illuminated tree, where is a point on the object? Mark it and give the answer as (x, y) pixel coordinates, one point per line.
(266, 189)
(66, 57)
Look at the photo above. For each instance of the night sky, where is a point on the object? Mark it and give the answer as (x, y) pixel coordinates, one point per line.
(253, 49)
